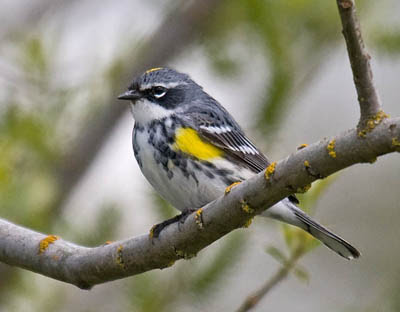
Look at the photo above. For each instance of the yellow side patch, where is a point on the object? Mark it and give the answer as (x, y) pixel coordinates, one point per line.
(189, 142)
(153, 69)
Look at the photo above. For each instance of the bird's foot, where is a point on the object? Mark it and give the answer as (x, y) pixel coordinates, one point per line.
(181, 218)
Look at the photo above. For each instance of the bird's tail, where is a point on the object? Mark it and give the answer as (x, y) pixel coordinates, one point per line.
(329, 239)
(288, 212)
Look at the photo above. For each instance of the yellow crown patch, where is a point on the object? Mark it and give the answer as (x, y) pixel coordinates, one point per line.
(153, 69)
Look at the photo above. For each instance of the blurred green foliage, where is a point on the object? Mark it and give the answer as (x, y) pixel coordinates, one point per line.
(41, 116)
(388, 42)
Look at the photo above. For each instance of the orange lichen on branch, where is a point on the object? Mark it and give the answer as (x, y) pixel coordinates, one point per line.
(119, 259)
(229, 188)
(331, 148)
(45, 242)
(270, 170)
(372, 123)
(246, 208)
(198, 218)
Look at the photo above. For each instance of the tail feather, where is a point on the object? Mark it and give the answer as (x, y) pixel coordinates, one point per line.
(286, 211)
(329, 239)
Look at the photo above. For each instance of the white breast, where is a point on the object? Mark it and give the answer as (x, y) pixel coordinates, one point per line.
(182, 191)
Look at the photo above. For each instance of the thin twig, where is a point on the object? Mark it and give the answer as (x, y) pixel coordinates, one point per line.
(86, 267)
(252, 300)
(368, 97)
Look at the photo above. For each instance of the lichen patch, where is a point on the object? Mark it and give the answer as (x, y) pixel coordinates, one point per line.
(119, 259)
(331, 148)
(372, 123)
(198, 217)
(246, 207)
(270, 171)
(45, 242)
(229, 188)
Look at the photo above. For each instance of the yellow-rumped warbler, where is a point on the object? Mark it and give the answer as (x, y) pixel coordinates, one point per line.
(190, 149)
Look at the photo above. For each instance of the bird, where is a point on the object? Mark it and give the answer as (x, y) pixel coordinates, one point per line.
(190, 149)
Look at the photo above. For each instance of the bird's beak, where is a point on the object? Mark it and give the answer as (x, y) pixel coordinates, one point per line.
(131, 95)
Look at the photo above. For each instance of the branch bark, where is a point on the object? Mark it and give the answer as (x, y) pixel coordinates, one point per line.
(85, 267)
(368, 97)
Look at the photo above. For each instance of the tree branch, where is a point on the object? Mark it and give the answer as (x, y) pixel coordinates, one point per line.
(85, 267)
(368, 98)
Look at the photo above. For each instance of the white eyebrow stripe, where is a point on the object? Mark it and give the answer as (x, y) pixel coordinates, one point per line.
(168, 85)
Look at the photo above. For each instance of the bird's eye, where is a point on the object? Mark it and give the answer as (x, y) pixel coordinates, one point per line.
(159, 92)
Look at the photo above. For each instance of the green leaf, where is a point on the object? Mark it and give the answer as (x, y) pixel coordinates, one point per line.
(288, 235)
(302, 274)
(388, 42)
(276, 254)
(310, 244)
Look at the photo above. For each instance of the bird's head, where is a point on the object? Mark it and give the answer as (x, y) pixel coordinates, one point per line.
(158, 93)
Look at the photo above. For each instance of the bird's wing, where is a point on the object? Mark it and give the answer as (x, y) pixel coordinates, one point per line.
(223, 132)
(227, 135)
(236, 144)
